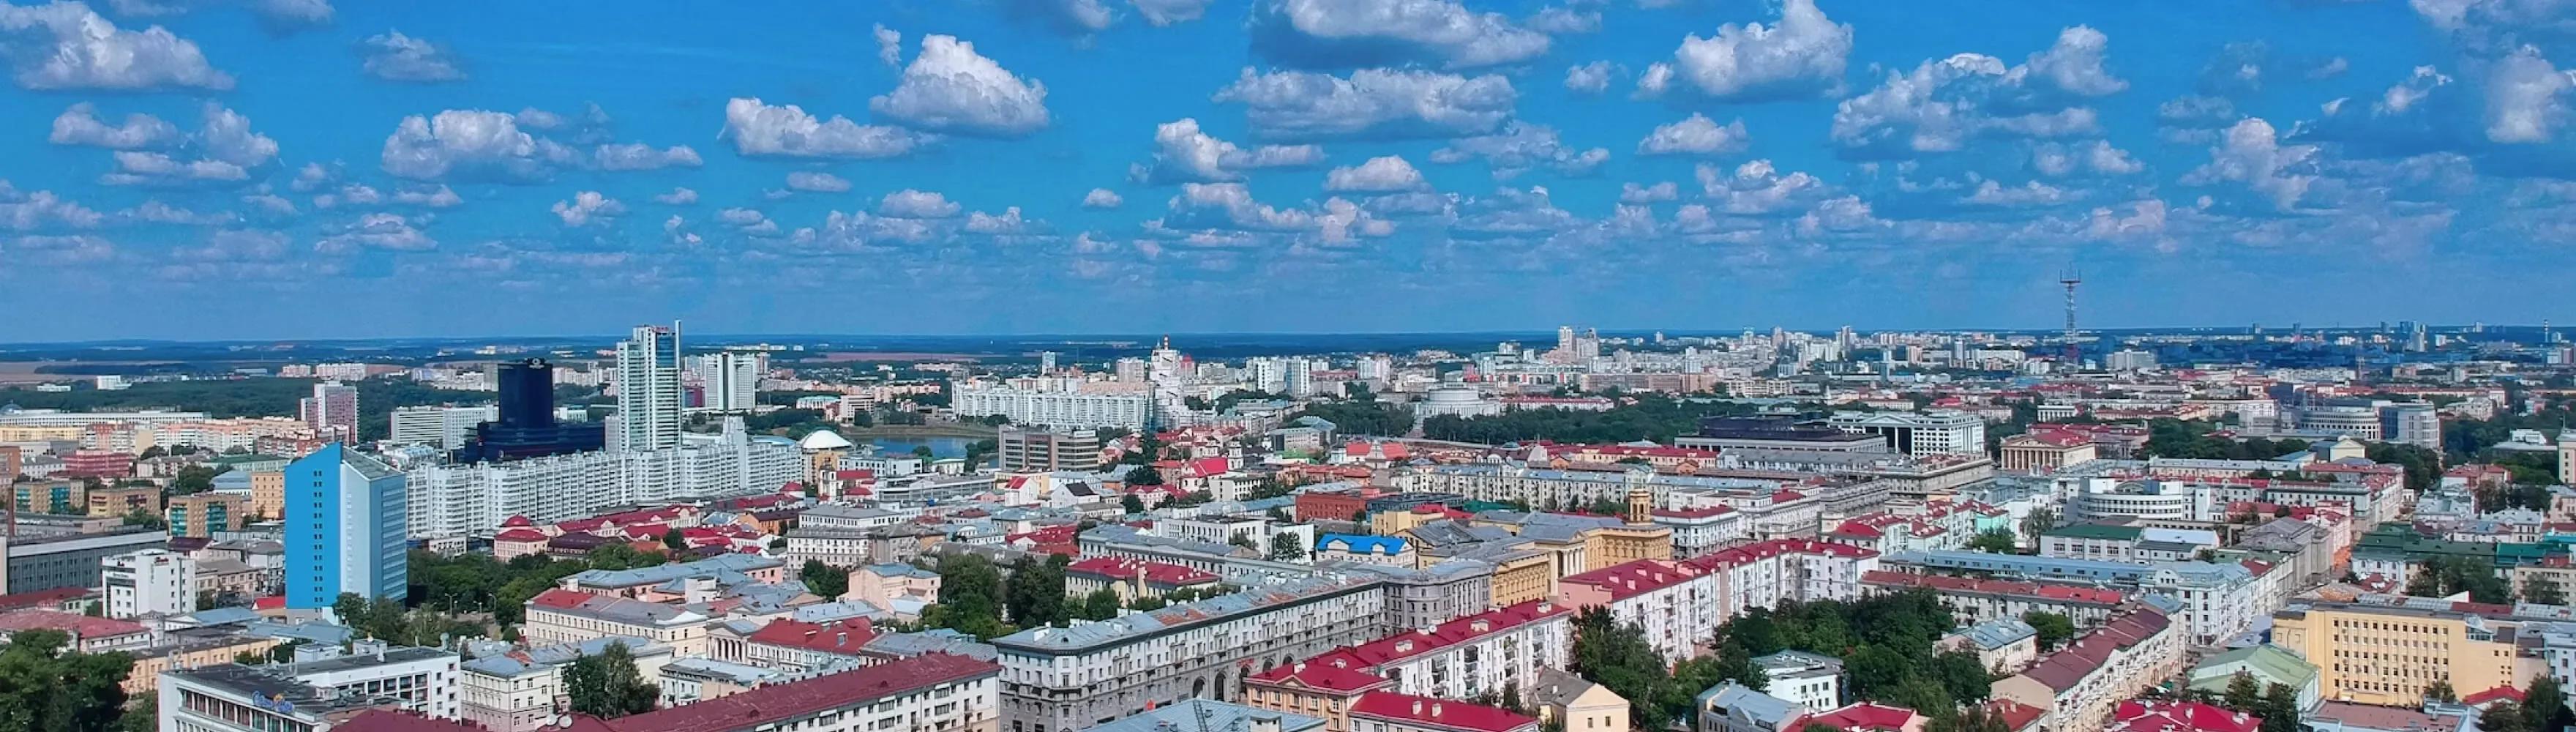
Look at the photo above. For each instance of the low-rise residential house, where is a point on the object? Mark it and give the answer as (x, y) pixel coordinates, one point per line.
(2268, 664)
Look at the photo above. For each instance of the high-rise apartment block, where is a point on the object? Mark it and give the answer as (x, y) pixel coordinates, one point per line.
(730, 380)
(1036, 449)
(344, 529)
(332, 411)
(648, 391)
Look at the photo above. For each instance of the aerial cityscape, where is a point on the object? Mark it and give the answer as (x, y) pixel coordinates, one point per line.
(1287, 366)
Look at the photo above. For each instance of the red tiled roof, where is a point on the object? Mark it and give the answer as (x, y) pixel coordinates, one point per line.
(43, 599)
(1698, 512)
(1635, 578)
(1320, 677)
(520, 534)
(848, 689)
(2499, 693)
(82, 626)
(2186, 716)
(844, 638)
(2016, 716)
(1409, 644)
(560, 598)
(1441, 714)
(1156, 573)
(1742, 555)
(1866, 717)
(385, 720)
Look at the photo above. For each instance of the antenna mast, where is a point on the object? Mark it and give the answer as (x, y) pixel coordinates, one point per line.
(2074, 351)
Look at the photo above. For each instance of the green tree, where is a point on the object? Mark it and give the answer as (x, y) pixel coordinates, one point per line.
(1962, 676)
(970, 597)
(1035, 591)
(675, 541)
(1973, 718)
(2054, 629)
(608, 686)
(1144, 475)
(2440, 690)
(2506, 716)
(1994, 541)
(1131, 504)
(192, 480)
(1101, 604)
(1286, 548)
(2546, 702)
(1617, 656)
(146, 519)
(825, 580)
(2038, 521)
(2280, 709)
(44, 686)
(2242, 693)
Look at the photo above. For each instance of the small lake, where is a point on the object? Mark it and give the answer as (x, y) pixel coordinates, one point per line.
(945, 447)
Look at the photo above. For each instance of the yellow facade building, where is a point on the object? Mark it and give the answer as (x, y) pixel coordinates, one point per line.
(2388, 656)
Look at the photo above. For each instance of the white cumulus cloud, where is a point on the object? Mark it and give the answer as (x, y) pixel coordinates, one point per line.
(81, 125)
(1102, 198)
(1803, 54)
(1386, 174)
(588, 207)
(1362, 33)
(915, 204)
(1371, 103)
(1696, 135)
(86, 51)
(760, 129)
(393, 56)
(1183, 153)
(950, 88)
(816, 181)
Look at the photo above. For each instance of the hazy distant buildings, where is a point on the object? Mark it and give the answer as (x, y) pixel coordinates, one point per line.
(446, 428)
(1051, 408)
(332, 411)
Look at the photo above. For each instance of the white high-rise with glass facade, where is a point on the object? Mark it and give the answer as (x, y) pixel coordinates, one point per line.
(729, 380)
(648, 391)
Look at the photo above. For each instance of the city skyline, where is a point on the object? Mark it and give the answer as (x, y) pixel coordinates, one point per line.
(215, 171)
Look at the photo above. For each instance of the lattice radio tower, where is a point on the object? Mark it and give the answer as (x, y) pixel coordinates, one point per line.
(2074, 351)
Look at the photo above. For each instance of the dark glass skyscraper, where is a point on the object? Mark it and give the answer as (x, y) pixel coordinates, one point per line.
(527, 427)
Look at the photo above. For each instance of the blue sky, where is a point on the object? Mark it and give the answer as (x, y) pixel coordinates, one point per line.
(306, 168)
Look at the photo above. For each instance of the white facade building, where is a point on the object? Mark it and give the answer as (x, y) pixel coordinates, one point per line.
(1940, 431)
(451, 500)
(446, 428)
(729, 380)
(1063, 679)
(648, 391)
(1062, 409)
(148, 582)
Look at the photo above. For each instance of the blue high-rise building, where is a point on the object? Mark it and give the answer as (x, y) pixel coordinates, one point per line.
(344, 529)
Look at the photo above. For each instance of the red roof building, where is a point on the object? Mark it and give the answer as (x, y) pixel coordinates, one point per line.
(2179, 716)
(1871, 717)
(907, 693)
(1401, 712)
